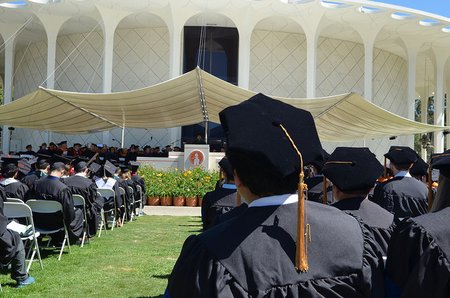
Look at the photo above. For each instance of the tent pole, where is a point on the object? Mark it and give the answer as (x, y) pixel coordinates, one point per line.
(206, 132)
(123, 137)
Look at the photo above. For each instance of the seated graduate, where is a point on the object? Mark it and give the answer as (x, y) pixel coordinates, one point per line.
(42, 168)
(402, 195)
(220, 200)
(13, 187)
(418, 263)
(12, 250)
(136, 178)
(317, 183)
(273, 249)
(51, 188)
(107, 172)
(353, 172)
(125, 181)
(80, 184)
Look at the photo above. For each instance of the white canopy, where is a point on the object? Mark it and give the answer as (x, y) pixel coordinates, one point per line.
(193, 98)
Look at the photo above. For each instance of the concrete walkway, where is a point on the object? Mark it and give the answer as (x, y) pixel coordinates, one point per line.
(172, 210)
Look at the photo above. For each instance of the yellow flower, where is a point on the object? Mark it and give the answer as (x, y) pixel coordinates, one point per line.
(159, 175)
(185, 174)
(189, 172)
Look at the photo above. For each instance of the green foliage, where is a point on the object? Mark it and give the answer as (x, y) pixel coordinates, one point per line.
(132, 261)
(191, 183)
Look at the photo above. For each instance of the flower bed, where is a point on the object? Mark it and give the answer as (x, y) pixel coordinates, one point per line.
(175, 187)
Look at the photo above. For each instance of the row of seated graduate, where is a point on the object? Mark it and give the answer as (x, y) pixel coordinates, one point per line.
(263, 238)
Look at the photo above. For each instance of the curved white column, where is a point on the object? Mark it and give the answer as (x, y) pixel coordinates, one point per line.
(441, 59)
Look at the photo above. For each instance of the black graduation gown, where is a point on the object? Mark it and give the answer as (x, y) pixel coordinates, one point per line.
(236, 211)
(402, 196)
(126, 198)
(138, 179)
(15, 189)
(380, 221)
(88, 190)
(31, 177)
(9, 240)
(215, 203)
(51, 188)
(253, 255)
(315, 190)
(418, 258)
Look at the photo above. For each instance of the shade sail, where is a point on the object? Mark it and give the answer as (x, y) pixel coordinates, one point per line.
(192, 98)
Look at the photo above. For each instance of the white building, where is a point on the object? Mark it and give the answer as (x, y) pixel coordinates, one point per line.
(293, 48)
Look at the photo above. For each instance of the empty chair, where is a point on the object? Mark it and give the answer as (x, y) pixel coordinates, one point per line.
(50, 208)
(17, 210)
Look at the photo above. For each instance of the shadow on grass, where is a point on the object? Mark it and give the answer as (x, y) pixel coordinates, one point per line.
(163, 276)
(189, 225)
(196, 231)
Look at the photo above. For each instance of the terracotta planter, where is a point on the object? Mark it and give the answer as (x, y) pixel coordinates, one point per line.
(191, 201)
(199, 201)
(166, 201)
(153, 201)
(178, 201)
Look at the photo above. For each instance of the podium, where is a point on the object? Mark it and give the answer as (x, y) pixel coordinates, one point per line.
(196, 156)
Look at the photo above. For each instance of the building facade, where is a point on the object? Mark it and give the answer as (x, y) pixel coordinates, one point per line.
(299, 48)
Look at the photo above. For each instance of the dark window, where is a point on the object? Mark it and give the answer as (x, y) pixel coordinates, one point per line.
(215, 50)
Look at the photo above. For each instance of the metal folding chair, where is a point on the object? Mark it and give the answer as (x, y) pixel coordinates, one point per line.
(141, 199)
(133, 204)
(124, 199)
(20, 210)
(106, 194)
(78, 201)
(16, 200)
(51, 207)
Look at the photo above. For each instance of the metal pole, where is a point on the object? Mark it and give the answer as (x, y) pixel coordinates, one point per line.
(123, 137)
(206, 132)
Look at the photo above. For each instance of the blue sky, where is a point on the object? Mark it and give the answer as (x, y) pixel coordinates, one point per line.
(440, 7)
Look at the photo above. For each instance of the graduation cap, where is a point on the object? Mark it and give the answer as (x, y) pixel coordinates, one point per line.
(401, 155)
(62, 143)
(226, 167)
(22, 165)
(419, 168)
(59, 158)
(283, 138)
(9, 159)
(352, 169)
(94, 167)
(109, 167)
(441, 161)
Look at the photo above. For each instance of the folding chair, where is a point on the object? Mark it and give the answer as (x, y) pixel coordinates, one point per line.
(51, 207)
(16, 200)
(122, 193)
(78, 201)
(133, 204)
(20, 210)
(106, 194)
(141, 199)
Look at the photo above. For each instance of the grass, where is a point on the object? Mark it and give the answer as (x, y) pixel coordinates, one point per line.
(132, 261)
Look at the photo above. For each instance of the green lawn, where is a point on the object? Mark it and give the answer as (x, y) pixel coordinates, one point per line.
(132, 261)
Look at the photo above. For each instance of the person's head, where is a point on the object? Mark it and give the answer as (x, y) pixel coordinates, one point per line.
(43, 146)
(57, 169)
(267, 163)
(29, 148)
(198, 137)
(353, 172)
(419, 170)
(42, 165)
(442, 163)
(62, 145)
(227, 170)
(52, 146)
(77, 146)
(81, 167)
(10, 171)
(401, 158)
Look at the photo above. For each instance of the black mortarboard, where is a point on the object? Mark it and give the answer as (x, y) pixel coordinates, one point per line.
(24, 166)
(109, 167)
(59, 158)
(253, 126)
(226, 167)
(94, 167)
(62, 142)
(352, 169)
(43, 156)
(441, 161)
(419, 168)
(8, 160)
(401, 155)
(282, 138)
(320, 163)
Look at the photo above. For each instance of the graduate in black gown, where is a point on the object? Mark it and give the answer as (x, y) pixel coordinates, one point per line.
(137, 178)
(42, 167)
(353, 172)
(80, 184)
(106, 180)
(222, 199)
(13, 187)
(418, 263)
(402, 195)
(51, 188)
(258, 253)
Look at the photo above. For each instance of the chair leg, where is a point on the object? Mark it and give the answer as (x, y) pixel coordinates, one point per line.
(31, 260)
(38, 252)
(62, 248)
(84, 237)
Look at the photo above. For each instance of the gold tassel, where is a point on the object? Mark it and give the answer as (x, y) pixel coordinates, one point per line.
(324, 196)
(303, 230)
(430, 188)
